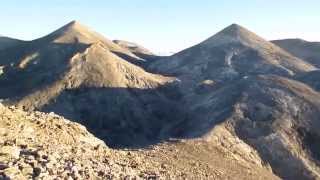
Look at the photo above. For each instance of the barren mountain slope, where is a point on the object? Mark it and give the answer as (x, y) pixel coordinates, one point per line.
(47, 146)
(276, 116)
(233, 53)
(66, 52)
(112, 97)
(230, 80)
(56, 47)
(231, 106)
(308, 51)
(95, 67)
(88, 83)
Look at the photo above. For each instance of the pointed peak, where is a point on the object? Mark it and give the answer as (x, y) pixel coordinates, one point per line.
(74, 22)
(74, 30)
(74, 25)
(235, 26)
(235, 29)
(236, 34)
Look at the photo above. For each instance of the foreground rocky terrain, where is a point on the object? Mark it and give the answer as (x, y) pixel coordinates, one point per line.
(47, 146)
(235, 106)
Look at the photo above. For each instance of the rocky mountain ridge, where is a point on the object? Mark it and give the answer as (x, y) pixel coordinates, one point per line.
(234, 97)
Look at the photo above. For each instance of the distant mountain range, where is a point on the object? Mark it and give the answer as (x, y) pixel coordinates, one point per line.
(234, 86)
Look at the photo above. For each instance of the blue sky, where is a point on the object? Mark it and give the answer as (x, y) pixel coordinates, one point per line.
(163, 25)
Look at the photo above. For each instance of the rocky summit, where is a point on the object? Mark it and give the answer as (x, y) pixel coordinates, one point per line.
(80, 106)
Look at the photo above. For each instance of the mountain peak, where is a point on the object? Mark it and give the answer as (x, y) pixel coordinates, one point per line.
(237, 34)
(74, 22)
(74, 31)
(234, 27)
(72, 27)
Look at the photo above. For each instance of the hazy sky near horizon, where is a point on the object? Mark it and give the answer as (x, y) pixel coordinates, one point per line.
(163, 25)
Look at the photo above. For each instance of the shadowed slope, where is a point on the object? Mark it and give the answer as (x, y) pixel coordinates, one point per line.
(85, 94)
(311, 78)
(6, 42)
(40, 62)
(70, 73)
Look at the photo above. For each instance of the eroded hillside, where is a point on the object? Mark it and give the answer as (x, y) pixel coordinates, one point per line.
(228, 108)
